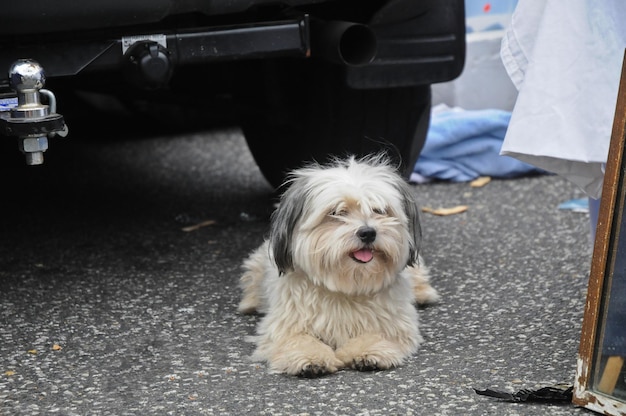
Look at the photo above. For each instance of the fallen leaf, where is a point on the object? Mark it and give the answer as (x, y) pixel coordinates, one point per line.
(480, 181)
(198, 226)
(446, 211)
(32, 351)
(9, 373)
(57, 347)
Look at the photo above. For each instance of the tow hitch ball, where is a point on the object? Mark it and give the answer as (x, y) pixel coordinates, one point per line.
(27, 118)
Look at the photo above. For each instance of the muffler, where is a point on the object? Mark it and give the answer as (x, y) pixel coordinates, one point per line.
(347, 43)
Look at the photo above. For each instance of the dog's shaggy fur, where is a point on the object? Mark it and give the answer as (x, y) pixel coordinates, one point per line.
(338, 278)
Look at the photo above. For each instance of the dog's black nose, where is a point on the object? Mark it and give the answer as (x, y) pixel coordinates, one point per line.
(366, 234)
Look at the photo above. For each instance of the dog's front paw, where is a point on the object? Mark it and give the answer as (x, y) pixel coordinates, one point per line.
(372, 362)
(365, 364)
(312, 367)
(303, 355)
(316, 370)
(371, 352)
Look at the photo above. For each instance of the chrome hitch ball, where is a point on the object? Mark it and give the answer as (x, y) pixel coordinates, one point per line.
(31, 121)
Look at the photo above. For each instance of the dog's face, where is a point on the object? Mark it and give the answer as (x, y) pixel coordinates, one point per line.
(351, 226)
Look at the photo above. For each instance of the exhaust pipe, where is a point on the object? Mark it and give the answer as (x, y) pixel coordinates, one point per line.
(347, 43)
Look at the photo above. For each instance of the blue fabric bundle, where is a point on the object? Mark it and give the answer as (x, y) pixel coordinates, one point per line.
(462, 145)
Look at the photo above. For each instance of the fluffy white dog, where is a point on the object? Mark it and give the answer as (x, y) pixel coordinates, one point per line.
(338, 278)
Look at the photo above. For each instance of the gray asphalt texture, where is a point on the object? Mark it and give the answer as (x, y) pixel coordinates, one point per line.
(107, 307)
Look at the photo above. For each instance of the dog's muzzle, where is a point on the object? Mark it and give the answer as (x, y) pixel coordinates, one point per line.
(367, 235)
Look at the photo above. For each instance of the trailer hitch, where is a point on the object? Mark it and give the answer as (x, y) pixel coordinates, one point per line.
(29, 120)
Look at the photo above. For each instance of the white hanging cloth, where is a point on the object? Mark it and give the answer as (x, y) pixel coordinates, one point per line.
(565, 59)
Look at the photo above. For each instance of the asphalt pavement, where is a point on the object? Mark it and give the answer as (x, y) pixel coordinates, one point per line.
(109, 305)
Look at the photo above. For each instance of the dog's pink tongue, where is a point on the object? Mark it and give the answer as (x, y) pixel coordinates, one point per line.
(363, 255)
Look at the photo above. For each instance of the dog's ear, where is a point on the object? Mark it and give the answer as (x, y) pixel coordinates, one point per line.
(412, 214)
(283, 223)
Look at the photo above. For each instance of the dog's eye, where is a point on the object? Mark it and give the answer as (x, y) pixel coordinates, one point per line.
(379, 211)
(339, 213)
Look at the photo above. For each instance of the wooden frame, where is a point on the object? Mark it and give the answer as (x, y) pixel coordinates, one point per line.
(597, 372)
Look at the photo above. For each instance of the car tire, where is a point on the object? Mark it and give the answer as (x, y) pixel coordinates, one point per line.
(302, 110)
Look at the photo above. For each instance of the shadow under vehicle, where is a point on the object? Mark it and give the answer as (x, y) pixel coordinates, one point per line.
(304, 79)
